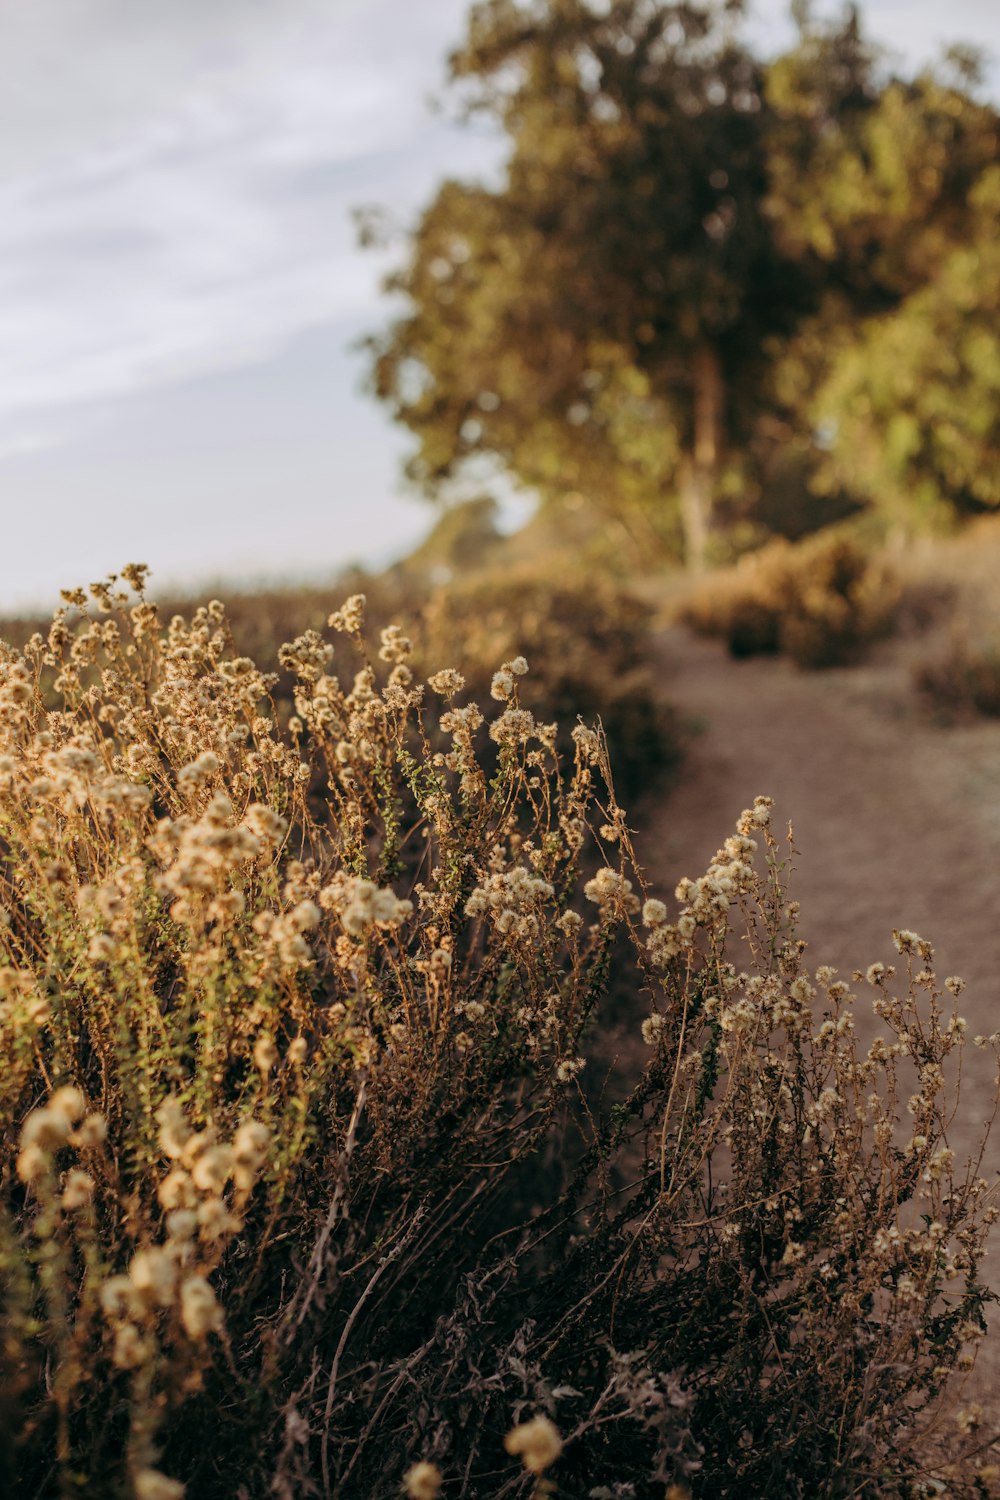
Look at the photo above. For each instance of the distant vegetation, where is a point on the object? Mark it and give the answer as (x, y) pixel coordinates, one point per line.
(821, 603)
(706, 278)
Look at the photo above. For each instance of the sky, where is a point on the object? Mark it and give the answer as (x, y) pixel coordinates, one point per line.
(181, 292)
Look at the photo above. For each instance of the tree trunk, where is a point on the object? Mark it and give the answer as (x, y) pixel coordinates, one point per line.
(700, 469)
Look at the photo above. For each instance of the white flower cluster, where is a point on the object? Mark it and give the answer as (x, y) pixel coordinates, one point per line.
(350, 617)
(512, 899)
(361, 904)
(612, 893)
(707, 900)
(505, 681)
(201, 853)
(61, 1122)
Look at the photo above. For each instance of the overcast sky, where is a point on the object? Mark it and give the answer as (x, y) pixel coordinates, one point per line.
(179, 283)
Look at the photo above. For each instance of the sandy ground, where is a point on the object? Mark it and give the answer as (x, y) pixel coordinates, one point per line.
(897, 824)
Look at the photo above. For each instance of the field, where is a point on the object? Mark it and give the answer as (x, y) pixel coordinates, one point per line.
(377, 1119)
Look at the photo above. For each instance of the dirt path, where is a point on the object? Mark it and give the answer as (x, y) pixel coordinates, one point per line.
(897, 823)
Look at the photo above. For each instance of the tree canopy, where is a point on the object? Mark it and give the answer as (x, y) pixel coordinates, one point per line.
(697, 260)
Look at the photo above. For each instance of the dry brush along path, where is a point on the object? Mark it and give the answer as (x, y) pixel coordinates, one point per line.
(896, 823)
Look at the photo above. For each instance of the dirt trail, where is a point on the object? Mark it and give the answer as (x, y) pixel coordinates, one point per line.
(897, 824)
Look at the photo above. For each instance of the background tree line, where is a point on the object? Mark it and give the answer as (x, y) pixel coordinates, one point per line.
(707, 277)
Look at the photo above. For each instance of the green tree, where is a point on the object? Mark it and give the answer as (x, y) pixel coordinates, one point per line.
(689, 263)
(598, 322)
(900, 366)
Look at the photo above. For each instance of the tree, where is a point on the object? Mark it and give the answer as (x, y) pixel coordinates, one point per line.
(900, 366)
(598, 322)
(688, 248)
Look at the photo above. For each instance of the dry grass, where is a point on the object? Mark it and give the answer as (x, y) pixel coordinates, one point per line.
(305, 1190)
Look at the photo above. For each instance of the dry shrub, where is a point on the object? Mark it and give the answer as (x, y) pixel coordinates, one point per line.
(588, 644)
(963, 680)
(589, 647)
(302, 1193)
(819, 602)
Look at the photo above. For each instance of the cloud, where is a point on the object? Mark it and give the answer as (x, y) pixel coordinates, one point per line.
(185, 206)
(176, 180)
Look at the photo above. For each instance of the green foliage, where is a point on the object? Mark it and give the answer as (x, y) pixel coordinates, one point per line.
(696, 258)
(820, 602)
(588, 322)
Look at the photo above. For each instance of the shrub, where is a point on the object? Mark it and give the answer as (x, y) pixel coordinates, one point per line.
(589, 647)
(303, 1191)
(962, 680)
(590, 657)
(820, 602)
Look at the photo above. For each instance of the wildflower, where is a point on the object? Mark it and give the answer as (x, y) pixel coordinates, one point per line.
(652, 1028)
(130, 1349)
(154, 1276)
(760, 814)
(68, 1102)
(78, 1189)
(513, 727)
(46, 1128)
(568, 1068)
(654, 913)
(175, 1132)
(176, 1189)
(395, 647)
(502, 685)
(611, 892)
(32, 1163)
(969, 1418)
(350, 617)
(537, 1443)
(200, 1311)
(938, 1164)
(120, 1298)
(215, 1221)
(213, 1168)
(265, 1053)
(265, 824)
(422, 1482)
(182, 1224)
(250, 1145)
(588, 744)
(150, 1484)
(447, 682)
(462, 721)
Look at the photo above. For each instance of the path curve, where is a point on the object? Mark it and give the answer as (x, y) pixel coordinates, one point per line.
(897, 824)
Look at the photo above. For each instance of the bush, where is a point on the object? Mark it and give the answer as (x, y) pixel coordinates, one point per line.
(820, 602)
(588, 647)
(963, 680)
(303, 1191)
